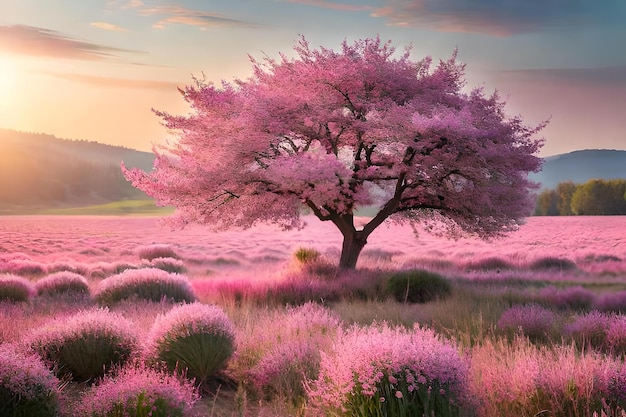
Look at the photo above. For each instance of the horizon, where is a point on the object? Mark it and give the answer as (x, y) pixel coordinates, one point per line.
(94, 72)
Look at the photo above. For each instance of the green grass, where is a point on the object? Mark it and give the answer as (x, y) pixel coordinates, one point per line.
(115, 208)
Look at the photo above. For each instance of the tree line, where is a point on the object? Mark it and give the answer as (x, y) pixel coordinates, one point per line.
(596, 197)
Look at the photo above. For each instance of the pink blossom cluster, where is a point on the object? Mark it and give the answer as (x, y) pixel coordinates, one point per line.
(25, 375)
(139, 391)
(366, 360)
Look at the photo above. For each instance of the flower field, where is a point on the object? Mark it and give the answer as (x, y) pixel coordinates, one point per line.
(532, 323)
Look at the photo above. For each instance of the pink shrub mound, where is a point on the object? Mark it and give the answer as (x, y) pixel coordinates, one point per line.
(60, 283)
(381, 370)
(168, 264)
(15, 288)
(590, 330)
(139, 392)
(85, 345)
(20, 266)
(521, 379)
(27, 388)
(196, 339)
(575, 298)
(148, 284)
(534, 321)
(279, 351)
(154, 251)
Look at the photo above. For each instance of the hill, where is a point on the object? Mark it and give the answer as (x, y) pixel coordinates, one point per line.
(582, 166)
(38, 170)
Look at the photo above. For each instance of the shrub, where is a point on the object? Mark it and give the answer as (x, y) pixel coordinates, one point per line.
(86, 345)
(590, 330)
(172, 265)
(14, 288)
(62, 283)
(536, 322)
(611, 302)
(24, 267)
(489, 264)
(385, 371)
(553, 263)
(283, 370)
(418, 286)
(27, 388)
(149, 284)
(196, 339)
(521, 379)
(139, 392)
(154, 251)
(279, 351)
(575, 298)
(306, 255)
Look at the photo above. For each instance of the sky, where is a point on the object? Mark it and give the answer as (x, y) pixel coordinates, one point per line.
(95, 69)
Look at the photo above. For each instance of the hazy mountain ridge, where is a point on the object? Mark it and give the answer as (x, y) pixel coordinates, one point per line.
(45, 171)
(39, 171)
(582, 166)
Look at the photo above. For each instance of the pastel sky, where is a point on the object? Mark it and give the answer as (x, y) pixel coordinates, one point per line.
(93, 69)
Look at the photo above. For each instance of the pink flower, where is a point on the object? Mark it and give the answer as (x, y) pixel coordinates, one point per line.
(398, 394)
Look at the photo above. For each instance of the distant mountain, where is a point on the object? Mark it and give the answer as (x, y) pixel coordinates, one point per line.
(582, 166)
(42, 171)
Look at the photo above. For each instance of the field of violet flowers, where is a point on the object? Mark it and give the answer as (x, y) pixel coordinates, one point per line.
(119, 316)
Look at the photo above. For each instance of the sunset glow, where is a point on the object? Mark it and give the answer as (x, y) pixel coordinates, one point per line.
(95, 72)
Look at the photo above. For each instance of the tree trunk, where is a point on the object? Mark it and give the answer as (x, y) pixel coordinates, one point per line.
(353, 244)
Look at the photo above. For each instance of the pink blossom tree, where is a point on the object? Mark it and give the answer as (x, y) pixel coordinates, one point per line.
(337, 131)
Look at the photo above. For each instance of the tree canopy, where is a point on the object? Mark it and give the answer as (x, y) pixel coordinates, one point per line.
(336, 131)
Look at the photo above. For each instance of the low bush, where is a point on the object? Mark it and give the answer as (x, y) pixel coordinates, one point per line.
(306, 255)
(574, 298)
(552, 263)
(385, 371)
(27, 388)
(277, 351)
(489, 264)
(85, 345)
(148, 284)
(195, 339)
(139, 392)
(418, 286)
(158, 250)
(590, 330)
(172, 265)
(535, 322)
(62, 283)
(521, 379)
(24, 267)
(611, 302)
(15, 288)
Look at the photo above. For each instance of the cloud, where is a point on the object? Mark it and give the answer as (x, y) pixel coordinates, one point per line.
(111, 82)
(107, 26)
(325, 4)
(35, 41)
(180, 15)
(500, 17)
